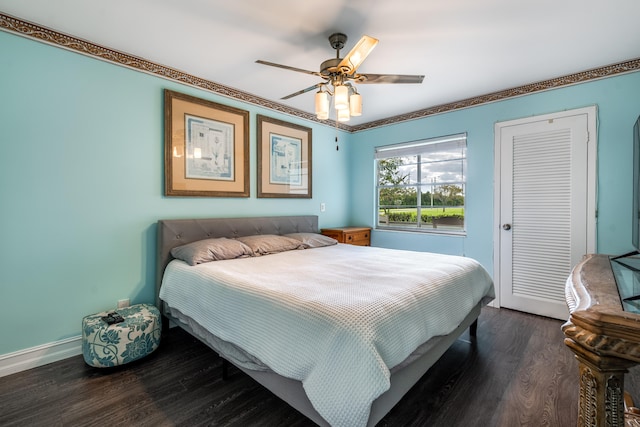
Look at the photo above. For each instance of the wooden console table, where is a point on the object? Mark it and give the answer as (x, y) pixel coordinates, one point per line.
(605, 339)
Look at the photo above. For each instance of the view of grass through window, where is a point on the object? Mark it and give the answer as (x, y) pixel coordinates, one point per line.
(421, 184)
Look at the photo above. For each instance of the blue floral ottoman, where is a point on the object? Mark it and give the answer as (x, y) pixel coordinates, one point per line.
(105, 345)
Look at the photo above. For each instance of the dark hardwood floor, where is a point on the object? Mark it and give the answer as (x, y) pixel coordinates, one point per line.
(517, 373)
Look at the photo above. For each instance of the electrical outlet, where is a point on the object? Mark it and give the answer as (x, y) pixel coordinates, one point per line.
(122, 303)
(323, 207)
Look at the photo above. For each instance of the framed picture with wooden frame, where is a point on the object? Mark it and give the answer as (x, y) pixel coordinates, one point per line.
(206, 150)
(284, 159)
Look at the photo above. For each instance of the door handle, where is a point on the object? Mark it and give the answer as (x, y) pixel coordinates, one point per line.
(506, 227)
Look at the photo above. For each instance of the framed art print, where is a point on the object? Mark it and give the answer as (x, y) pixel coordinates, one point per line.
(284, 159)
(206, 148)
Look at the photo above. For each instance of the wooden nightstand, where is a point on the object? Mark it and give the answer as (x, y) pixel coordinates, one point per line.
(360, 236)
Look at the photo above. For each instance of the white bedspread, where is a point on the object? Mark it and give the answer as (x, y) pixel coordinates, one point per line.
(336, 318)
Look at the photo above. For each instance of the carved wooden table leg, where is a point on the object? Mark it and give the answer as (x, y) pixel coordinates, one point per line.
(605, 338)
(601, 402)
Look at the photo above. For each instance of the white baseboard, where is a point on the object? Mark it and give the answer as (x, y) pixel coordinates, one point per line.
(44, 354)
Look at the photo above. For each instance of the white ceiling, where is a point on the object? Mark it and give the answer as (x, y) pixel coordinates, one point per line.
(465, 48)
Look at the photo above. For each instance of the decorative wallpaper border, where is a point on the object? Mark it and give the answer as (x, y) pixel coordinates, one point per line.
(33, 31)
(571, 79)
(29, 30)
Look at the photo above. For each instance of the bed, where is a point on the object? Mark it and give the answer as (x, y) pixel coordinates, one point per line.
(342, 357)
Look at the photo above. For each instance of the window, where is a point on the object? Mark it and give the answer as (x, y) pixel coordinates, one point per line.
(421, 185)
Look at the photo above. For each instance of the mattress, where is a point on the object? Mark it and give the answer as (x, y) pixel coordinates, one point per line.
(310, 314)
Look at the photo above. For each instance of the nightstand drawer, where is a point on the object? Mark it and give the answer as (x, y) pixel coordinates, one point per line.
(360, 236)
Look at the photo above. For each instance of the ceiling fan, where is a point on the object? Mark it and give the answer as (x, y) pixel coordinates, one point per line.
(339, 74)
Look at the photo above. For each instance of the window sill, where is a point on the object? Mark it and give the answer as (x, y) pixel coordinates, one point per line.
(423, 230)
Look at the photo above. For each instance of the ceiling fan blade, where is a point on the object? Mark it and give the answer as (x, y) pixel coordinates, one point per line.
(357, 55)
(286, 67)
(300, 92)
(387, 78)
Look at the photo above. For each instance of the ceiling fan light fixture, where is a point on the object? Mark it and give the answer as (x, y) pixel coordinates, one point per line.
(341, 98)
(339, 76)
(355, 104)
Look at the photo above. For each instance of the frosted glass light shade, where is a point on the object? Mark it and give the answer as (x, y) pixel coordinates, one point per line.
(355, 105)
(341, 101)
(322, 105)
(343, 115)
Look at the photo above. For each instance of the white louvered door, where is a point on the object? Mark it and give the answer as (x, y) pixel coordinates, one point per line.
(545, 211)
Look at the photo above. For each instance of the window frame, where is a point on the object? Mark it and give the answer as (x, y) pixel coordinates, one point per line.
(417, 148)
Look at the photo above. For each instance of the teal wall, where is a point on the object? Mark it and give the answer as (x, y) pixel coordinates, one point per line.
(618, 102)
(81, 184)
(81, 178)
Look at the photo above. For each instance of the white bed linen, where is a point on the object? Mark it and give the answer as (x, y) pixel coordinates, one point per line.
(336, 318)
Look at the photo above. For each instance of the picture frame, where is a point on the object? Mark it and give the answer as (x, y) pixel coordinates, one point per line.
(284, 159)
(206, 148)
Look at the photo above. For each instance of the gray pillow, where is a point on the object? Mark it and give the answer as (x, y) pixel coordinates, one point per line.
(211, 250)
(265, 244)
(313, 240)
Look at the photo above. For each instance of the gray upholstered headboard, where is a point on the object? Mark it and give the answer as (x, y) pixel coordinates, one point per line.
(176, 232)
